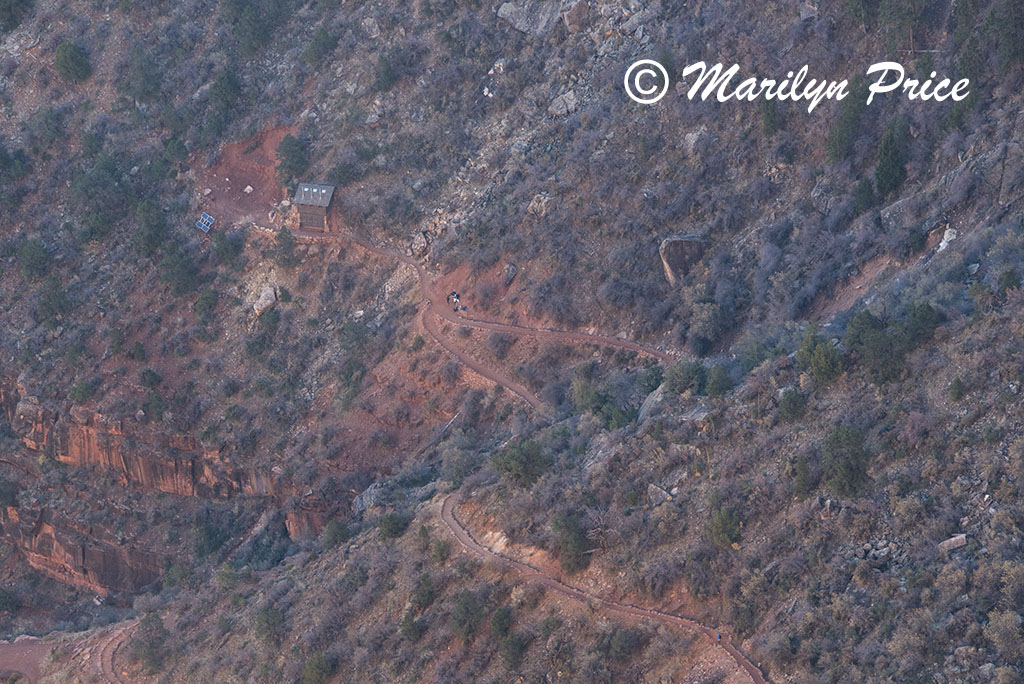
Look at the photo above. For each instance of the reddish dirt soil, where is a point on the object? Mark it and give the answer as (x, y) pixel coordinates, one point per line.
(106, 652)
(23, 657)
(823, 308)
(538, 576)
(847, 293)
(433, 307)
(251, 162)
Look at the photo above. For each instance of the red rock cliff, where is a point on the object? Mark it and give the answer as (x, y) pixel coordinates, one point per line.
(78, 557)
(144, 457)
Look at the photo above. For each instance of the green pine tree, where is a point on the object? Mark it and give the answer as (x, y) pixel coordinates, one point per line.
(891, 169)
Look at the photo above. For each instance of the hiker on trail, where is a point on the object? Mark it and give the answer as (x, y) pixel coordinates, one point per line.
(719, 636)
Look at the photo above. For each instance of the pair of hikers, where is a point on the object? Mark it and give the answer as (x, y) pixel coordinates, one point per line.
(453, 297)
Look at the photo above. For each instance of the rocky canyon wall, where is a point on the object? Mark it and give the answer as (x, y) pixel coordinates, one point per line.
(143, 457)
(79, 557)
(87, 555)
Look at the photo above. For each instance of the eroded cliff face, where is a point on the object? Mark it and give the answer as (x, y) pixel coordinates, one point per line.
(146, 458)
(9, 396)
(305, 522)
(85, 558)
(91, 557)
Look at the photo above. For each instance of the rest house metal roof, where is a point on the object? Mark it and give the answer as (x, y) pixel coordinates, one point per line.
(313, 194)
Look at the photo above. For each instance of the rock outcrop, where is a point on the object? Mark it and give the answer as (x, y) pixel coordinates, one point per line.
(85, 554)
(955, 542)
(266, 300)
(678, 253)
(304, 523)
(564, 104)
(576, 16)
(651, 404)
(146, 458)
(535, 17)
(81, 558)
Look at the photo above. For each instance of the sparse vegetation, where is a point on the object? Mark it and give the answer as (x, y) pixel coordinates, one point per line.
(33, 258)
(522, 462)
(284, 248)
(890, 171)
(201, 493)
(792, 405)
(718, 382)
(51, 301)
(724, 527)
(957, 389)
(9, 602)
(180, 272)
(252, 22)
(152, 230)
(269, 624)
(864, 195)
(140, 76)
(317, 669)
(335, 534)
(322, 44)
(686, 376)
(588, 398)
(847, 126)
(803, 481)
(149, 643)
(83, 390)
(150, 378)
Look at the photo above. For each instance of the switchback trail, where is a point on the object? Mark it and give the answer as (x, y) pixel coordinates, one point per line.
(536, 575)
(430, 298)
(25, 657)
(110, 650)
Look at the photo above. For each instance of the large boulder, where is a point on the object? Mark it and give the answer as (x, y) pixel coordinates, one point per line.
(678, 254)
(953, 543)
(696, 140)
(576, 16)
(651, 404)
(266, 300)
(564, 104)
(510, 273)
(535, 17)
(903, 213)
(371, 497)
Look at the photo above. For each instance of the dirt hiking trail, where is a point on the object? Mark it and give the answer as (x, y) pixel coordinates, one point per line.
(24, 657)
(537, 576)
(433, 307)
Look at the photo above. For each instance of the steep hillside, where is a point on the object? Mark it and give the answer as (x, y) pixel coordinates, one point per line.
(732, 369)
